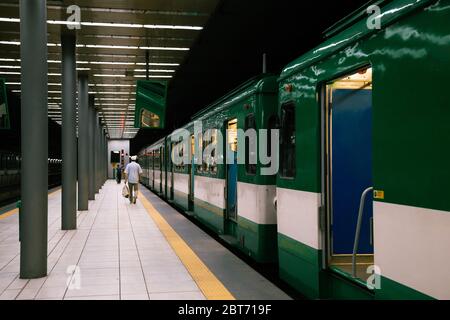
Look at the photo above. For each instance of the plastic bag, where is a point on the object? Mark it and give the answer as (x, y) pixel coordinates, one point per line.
(125, 191)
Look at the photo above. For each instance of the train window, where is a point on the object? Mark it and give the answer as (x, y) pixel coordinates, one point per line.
(209, 161)
(213, 164)
(272, 124)
(206, 142)
(287, 143)
(250, 147)
(200, 148)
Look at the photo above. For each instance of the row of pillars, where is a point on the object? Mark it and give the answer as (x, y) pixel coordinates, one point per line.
(84, 159)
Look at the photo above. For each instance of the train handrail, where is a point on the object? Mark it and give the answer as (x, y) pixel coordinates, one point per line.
(358, 228)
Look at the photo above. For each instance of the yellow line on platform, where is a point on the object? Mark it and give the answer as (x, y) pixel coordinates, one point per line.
(14, 211)
(208, 283)
(9, 213)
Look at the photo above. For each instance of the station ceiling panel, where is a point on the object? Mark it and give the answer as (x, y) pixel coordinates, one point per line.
(113, 38)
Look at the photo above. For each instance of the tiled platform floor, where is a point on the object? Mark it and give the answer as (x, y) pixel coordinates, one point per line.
(117, 253)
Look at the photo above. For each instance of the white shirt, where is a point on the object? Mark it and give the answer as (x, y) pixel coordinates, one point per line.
(133, 170)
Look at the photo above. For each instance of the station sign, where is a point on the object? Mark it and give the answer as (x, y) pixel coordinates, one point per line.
(151, 101)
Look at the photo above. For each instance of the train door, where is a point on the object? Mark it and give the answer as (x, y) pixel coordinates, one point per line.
(172, 150)
(191, 174)
(231, 176)
(349, 182)
(160, 159)
(163, 164)
(152, 165)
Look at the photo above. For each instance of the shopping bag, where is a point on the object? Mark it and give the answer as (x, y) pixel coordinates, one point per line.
(125, 191)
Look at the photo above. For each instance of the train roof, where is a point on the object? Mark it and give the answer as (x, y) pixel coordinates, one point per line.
(263, 83)
(351, 29)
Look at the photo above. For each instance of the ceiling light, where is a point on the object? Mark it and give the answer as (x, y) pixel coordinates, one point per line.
(164, 48)
(158, 64)
(159, 26)
(155, 70)
(10, 73)
(110, 75)
(10, 67)
(152, 76)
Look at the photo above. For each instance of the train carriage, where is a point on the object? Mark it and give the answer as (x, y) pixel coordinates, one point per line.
(363, 171)
(359, 207)
(235, 199)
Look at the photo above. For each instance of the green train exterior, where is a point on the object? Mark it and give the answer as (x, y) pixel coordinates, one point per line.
(203, 190)
(410, 134)
(292, 218)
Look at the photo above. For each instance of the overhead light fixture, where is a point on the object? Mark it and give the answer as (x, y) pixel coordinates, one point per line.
(152, 76)
(162, 26)
(9, 60)
(155, 70)
(10, 73)
(165, 48)
(110, 75)
(9, 67)
(111, 24)
(113, 85)
(158, 64)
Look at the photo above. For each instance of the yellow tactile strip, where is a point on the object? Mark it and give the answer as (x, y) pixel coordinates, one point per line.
(14, 211)
(208, 283)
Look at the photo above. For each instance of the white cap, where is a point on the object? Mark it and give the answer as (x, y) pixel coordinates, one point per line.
(134, 158)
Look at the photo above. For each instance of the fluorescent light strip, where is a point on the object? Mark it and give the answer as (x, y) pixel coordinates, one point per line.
(112, 85)
(101, 46)
(9, 60)
(165, 48)
(110, 92)
(10, 73)
(116, 99)
(155, 70)
(110, 75)
(10, 67)
(158, 64)
(152, 76)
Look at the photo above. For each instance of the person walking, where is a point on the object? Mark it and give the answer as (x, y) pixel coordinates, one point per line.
(119, 173)
(132, 174)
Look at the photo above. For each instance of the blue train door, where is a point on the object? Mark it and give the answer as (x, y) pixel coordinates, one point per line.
(232, 173)
(350, 173)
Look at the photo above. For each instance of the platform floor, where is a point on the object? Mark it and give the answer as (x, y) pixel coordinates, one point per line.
(128, 252)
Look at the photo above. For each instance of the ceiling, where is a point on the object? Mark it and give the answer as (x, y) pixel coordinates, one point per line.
(230, 48)
(113, 55)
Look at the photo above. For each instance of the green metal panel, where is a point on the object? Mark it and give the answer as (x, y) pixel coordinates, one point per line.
(409, 57)
(151, 102)
(410, 111)
(4, 113)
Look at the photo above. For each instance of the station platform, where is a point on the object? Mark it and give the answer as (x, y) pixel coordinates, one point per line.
(147, 251)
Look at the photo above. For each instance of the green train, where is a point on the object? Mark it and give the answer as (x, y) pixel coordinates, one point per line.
(360, 206)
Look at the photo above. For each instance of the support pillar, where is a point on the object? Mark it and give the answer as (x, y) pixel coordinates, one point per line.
(91, 186)
(69, 135)
(83, 143)
(97, 153)
(34, 181)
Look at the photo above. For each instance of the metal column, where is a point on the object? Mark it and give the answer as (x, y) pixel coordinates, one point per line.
(34, 215)
(69, 135)
(83, 143)
(91, 182)
(105, 170)
(97, 153)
